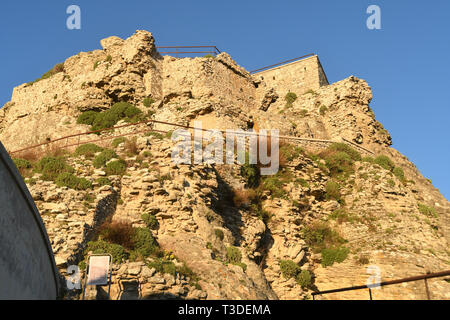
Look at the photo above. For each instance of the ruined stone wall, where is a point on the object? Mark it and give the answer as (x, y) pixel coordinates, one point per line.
(206, 78)
(298, 77)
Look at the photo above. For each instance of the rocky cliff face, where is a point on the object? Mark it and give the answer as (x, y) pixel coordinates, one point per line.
(310, 227)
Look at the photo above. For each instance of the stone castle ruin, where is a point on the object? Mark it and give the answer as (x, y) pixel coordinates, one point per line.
(297, 76)
(213, 89)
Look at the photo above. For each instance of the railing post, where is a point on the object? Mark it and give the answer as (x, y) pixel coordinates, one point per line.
(426, 287)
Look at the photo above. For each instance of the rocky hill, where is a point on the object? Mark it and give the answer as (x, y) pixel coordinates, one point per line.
(342, 201)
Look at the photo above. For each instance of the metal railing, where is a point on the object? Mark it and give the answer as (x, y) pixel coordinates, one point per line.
(283, 62)
(182, 50)
(387, 283)
(147, 122)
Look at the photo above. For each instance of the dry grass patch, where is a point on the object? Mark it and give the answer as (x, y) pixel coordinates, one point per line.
(131, 147)
(243, 197)
(118, 232)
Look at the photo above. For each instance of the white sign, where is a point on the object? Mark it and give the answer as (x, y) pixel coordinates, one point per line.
(98, 270)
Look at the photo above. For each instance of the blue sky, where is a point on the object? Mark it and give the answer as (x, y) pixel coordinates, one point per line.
(406, 62)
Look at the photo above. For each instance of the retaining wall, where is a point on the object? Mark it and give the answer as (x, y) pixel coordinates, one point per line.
(27, 265)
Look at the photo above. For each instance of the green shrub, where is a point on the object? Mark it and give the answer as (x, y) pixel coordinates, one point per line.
(22, 164)
(147, 154)
(234, 256)
(289, 269)
(52, 167)
(117, 167)
(310, 91)
(290, 152)
(101, 160)
(67, 179)
(56, 69)
(391, 183)
(302, 182)
(87, 117)
(170, 268)
(323, 109)
(150, 221)
(342, 147)
(208, 56)
(129, 110)
(385, 162)
(274, 184)
(82, 265)
(88, 150)
(333, 190)
(262, 214)
(163, 266)
(250, 172)
(188, 273)
(117, 141)
(30, 181)
(339, 163)
(219, 234)
(304, 278)
(368, 160)
(399, 173)
(24, 167)
(84, 184)
(332, 255)
(426, 210)
(144, 243)
(103, 181)
(155, 134)
(168, 134)
(341, 215)
(339, 159)
(104, 120)
(320, 236)
(290, 98)
(117, 251)
(119, 111)
(148, 101)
